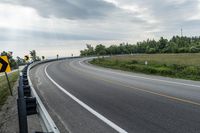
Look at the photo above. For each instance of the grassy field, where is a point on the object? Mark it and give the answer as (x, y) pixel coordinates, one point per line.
(186, 66)
(4, 90)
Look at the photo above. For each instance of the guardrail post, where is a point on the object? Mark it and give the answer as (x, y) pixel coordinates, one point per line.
(26, 104)
(27, 91)
(31, 105)
(23, 126)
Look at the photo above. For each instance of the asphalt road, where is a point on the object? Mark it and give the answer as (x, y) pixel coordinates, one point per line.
(82, 98)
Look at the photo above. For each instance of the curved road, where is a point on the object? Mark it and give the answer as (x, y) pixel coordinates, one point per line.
(82, 98)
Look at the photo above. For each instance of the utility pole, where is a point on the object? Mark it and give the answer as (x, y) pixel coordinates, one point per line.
(181, 32)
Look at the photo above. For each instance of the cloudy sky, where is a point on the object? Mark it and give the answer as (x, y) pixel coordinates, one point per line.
(65, 26)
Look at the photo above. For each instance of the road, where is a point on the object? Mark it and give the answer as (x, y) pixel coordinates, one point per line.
(82, 98)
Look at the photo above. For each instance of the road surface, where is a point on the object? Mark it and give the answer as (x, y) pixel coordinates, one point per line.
(82, 98)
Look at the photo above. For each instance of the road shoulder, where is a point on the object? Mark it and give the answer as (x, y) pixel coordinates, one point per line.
(9, 116)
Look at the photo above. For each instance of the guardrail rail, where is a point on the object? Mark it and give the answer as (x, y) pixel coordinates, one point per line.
(29, 103)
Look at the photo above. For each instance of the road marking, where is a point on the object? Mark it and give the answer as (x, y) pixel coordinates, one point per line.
(44, 115)
(101, 117)
(144, 90)
(171, 82)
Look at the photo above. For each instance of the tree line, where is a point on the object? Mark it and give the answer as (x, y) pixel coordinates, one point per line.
(176, 44)
(15, 63)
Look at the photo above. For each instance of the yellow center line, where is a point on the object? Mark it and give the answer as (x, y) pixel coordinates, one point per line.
(135, 88)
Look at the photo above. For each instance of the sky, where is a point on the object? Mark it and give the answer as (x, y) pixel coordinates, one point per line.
(64, 27)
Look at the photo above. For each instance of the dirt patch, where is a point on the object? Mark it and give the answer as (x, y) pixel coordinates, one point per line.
(9, 116)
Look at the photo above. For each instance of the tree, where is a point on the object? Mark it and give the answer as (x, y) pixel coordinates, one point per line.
(88, 52)
(20, 61)
(174, 45)
(162, 44)
(43, 57)
(33, 55)
(100, 49)
(194, 49)
(38, 58)
(113, 50)
(151, 51)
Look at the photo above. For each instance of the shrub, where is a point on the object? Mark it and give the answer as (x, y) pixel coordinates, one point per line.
(177, 67)
(194, 49)
(134, 62)
(165, 71)
(191, 70)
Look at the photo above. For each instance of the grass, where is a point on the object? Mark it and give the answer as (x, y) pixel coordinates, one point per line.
(4, 90)
(186, 66)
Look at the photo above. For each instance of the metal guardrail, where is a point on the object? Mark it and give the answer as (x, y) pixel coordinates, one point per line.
(29, 102)
(25, 103)
(49, 124)
(21, 104)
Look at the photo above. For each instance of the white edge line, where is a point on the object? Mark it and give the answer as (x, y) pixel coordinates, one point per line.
(101, 117)
(49, 123)
(171, 82)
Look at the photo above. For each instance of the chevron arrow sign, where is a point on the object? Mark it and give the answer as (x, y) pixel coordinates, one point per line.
(4, 64)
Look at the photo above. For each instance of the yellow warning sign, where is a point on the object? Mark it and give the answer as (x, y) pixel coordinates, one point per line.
(4, 64)
(26, 57)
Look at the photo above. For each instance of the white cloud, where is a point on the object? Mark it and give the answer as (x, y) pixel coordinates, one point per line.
(63, 23)
(13, 16)
(140, 12)
(196, 15)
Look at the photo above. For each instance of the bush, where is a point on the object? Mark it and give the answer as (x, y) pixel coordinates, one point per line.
(134, 62)
(191, 70)
(165, 71)
(194, 49)
(116, 62)
(151, 51)
(183, 50)
(176, 67)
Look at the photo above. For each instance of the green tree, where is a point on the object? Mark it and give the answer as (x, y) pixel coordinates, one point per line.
(162, 44)
(88, 51)
(100, 49)
(174, 45)
(33, 55)
(194, 49)
(20, 61)
(43, 57)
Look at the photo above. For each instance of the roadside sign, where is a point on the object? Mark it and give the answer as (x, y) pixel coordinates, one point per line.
(26, 57)
(4, 64)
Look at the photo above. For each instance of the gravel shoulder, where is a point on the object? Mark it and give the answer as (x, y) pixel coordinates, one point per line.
(9, 116)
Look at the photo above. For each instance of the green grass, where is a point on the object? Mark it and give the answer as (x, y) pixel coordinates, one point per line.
(186, 66)
(4, 90)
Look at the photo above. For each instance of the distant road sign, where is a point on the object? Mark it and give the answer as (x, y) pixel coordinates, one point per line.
(26, 57)
(4, 64)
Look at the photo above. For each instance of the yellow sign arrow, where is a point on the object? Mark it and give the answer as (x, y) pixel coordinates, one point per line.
(26, 57)
(4, 64)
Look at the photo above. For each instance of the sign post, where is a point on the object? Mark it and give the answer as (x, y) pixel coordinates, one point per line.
(8, 83)
(5, 67)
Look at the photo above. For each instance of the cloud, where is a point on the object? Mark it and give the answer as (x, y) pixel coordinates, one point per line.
(68, 9)
(105, 20)
(100, 17)
(23, 35)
